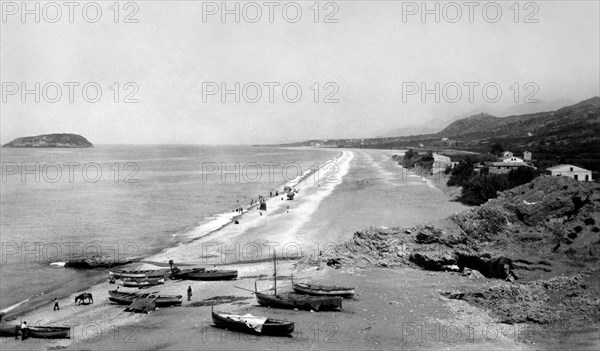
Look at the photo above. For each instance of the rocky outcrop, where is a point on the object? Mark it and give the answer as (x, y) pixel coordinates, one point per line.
(533, 231)
(100, 262)
(563, 300)
(50, 141)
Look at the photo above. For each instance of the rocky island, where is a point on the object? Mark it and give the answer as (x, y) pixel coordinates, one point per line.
(50, 141)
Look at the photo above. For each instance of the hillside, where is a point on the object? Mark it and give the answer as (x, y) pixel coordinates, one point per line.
(568, 135)
(50, 141)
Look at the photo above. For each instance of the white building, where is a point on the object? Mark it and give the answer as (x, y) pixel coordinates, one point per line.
(570, 171)
(512, 160)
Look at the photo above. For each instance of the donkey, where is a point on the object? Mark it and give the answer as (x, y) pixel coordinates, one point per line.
(84, 296)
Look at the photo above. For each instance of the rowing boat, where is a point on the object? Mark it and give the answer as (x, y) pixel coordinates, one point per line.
(134, 282)
(126, 298)
(299, 301)
(323, 290)
(206, 275)
(252, 324)
(151, 273)
(43, 332)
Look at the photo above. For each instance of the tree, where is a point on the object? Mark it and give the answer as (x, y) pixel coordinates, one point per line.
(410, 154)
(483, 187)
(496, 149)
(462, 173)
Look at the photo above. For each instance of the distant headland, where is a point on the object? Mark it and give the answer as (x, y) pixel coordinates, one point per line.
(50, 141)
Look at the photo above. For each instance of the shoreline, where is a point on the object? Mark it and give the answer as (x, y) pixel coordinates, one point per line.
(336, 210)
(20, 309)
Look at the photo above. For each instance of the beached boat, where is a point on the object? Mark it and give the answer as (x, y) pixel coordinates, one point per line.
(293, 300)
(126, 298)
(9, 329)
(151, 273)
(252, 324)
(206, 275)
(141, 282)
(323, 290)
(42, 332)
(300, 301)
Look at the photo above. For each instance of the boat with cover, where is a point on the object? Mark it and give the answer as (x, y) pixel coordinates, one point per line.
(252, 324)
(323, 290)
(213, 274)
(127, 298)
(47, 332)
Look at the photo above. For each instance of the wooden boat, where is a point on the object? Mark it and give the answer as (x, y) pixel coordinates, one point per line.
(43, 332)
(142, 282)
(273, 327)
(9, 329)
(206, 275)
(323, 290)
(127, 298)
(299, 301)
(151, 273)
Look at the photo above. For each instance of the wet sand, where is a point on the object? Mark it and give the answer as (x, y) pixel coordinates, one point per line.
(393, 308)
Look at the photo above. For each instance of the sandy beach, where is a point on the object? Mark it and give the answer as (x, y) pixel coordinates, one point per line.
(393, 308)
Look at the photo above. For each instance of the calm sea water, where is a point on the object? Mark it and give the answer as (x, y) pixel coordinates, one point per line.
(58, 204)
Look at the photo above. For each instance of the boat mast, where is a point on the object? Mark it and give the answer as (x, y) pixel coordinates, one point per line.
(275, 270)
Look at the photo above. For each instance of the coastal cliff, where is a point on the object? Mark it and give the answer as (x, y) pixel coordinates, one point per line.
(50, 141)
(541, 239)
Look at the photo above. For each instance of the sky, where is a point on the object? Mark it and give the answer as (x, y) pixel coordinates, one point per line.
(158, 74)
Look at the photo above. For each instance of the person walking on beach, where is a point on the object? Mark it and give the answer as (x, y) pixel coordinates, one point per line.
(171, 264)
(56, 304)
(189, 293)
(24, 331)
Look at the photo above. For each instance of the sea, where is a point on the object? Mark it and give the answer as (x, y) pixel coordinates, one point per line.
(120, 201)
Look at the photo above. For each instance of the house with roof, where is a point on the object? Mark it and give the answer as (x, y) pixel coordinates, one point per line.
(577, 173)
(508, 162)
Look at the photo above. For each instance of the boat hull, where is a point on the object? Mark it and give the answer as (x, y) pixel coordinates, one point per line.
(207, 275)
(300, 301)
(323, 290)
(9, 329)
(154, 273)
(273, 327)
(123, 298)
(50, 332)
(136, 283)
